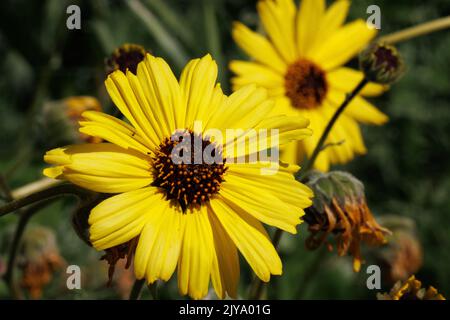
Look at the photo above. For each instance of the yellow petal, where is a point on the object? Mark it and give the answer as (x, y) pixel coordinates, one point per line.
(225, 270)
(251, 242)
(318, 120)
(346, 80)
(359, 108)
(244, 109)
(255, 73)
(54, 172)
(121, 218)
(102, 167)
(292, 153)
(332, 20)
(344, 140)
(163, 93)
(343, 45)
(197, 83)
(269, 134)
(309, 16)
(133, 107)
(113, 130)
(258, 47)
(159, 245)
(278, 20)
(282, 184)
(258, 201)
(197, 254)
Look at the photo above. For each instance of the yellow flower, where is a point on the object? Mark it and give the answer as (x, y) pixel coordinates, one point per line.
(300, 62)
(193, 217)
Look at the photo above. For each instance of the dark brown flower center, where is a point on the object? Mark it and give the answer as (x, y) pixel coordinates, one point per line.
(305, 84)
(126, 57)
(189, 169)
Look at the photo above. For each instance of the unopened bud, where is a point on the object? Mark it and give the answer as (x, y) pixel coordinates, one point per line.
(125, 57)
(381, 63)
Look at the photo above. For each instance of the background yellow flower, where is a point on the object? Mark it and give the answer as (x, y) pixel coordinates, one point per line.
(301, 61)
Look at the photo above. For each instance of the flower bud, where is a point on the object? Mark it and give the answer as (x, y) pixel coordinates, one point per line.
(58, 123)
(340, 209)
(411, 289)
(125, 57)
(381, 63)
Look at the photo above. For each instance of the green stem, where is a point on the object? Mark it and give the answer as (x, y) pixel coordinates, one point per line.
(319, 147)
(49, 193)
(419, 30)
(137, 289)
(154, 290)
(257, 285)
(310, 272)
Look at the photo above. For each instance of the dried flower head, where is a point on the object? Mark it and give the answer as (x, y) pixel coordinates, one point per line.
(411, 289)
(125, 57)
(39, 259)
(403, 255)
(115, 254)
(381, 63)
(340, 209)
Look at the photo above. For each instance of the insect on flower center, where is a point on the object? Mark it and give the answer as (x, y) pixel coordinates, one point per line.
(305, 84)
(189, 169)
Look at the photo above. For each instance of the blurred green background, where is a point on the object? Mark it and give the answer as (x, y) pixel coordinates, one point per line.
(406, 171)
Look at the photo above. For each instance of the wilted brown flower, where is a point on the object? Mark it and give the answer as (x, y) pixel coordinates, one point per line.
(410, 289)
(124, 279)
(403, 255)
(38, 259)
(340, 208)
(114, 254)
(125, 57)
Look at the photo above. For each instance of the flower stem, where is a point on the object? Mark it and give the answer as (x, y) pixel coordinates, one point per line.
(154, 290)
(319, 147)
(49, 193)
(137, 289)
(257, 286)
(309, 273)
(419, 30)
(33, 187)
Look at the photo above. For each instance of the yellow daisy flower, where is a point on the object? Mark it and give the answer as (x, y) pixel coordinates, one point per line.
(193, 217)
(300, 62)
